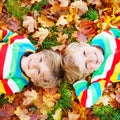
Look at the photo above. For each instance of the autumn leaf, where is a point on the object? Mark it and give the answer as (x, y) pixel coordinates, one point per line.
(44, 21)
(62, 21)
(30, 23)
(97, 3)
(22, 113)
(1, 6)
(6, 111)
(13, 24)
(41, 34)
(53, 24)
(30, 97)
(80, 6)
(105, 100)
(58, 114)
(73, 116)
(50, 97)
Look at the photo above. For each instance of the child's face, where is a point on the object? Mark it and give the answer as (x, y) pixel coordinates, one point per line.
(35, 66)
(89, 58)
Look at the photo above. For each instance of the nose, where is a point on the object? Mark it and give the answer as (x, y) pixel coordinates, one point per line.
(90, 58)
(34, 64)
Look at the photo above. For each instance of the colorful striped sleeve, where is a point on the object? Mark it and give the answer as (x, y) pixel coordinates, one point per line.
(88, 94)
(8, 36)
(11, 86)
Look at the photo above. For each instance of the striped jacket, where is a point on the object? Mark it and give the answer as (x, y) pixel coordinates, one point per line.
(108, 72)
(12, 48)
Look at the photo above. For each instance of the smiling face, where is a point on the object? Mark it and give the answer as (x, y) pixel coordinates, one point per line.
(89, 58)
(39, 68)
(80, 60)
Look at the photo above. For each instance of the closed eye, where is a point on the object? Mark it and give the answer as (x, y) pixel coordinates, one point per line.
(86, 65)
(84, 53)
(40, 59)
(38, 72)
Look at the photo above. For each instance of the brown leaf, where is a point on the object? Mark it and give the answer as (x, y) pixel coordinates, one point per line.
(13, 24)
(6, 111)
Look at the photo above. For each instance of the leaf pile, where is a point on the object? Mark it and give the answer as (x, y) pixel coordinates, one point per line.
(54, 24)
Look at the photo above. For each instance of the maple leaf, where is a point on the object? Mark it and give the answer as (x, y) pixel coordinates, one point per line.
(58, 114)
(79, 36)
(64, 3)
(44, 21)
(73, 116)
(62, 21)
(97, 3)
(29, 22)
(30, 97)
(1, 7)
(50, 97)
(22, 114)
(13, 24)
(58, 10)
(88, 28)
(41, 34)
(6, 111)
(105, 100)
(81, 6)
(77, 109)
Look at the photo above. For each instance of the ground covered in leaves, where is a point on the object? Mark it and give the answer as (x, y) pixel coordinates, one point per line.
(54, 24)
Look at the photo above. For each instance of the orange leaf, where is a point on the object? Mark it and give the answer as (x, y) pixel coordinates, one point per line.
(50, 96)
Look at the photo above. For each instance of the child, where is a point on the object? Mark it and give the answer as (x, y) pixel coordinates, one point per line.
(19, 63)
(102, 59)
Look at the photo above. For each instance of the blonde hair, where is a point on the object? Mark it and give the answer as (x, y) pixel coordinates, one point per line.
(71, 69)
(54, 77)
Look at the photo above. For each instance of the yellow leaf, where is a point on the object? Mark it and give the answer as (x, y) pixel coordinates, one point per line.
(44, 21)
(1, 7)
(30, 97)
(50, 97)
(58, 114)
(73, 116)
(22, 114)
(62, 21)
(104, 100)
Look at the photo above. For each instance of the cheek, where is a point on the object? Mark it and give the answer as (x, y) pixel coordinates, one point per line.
(31, 74)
